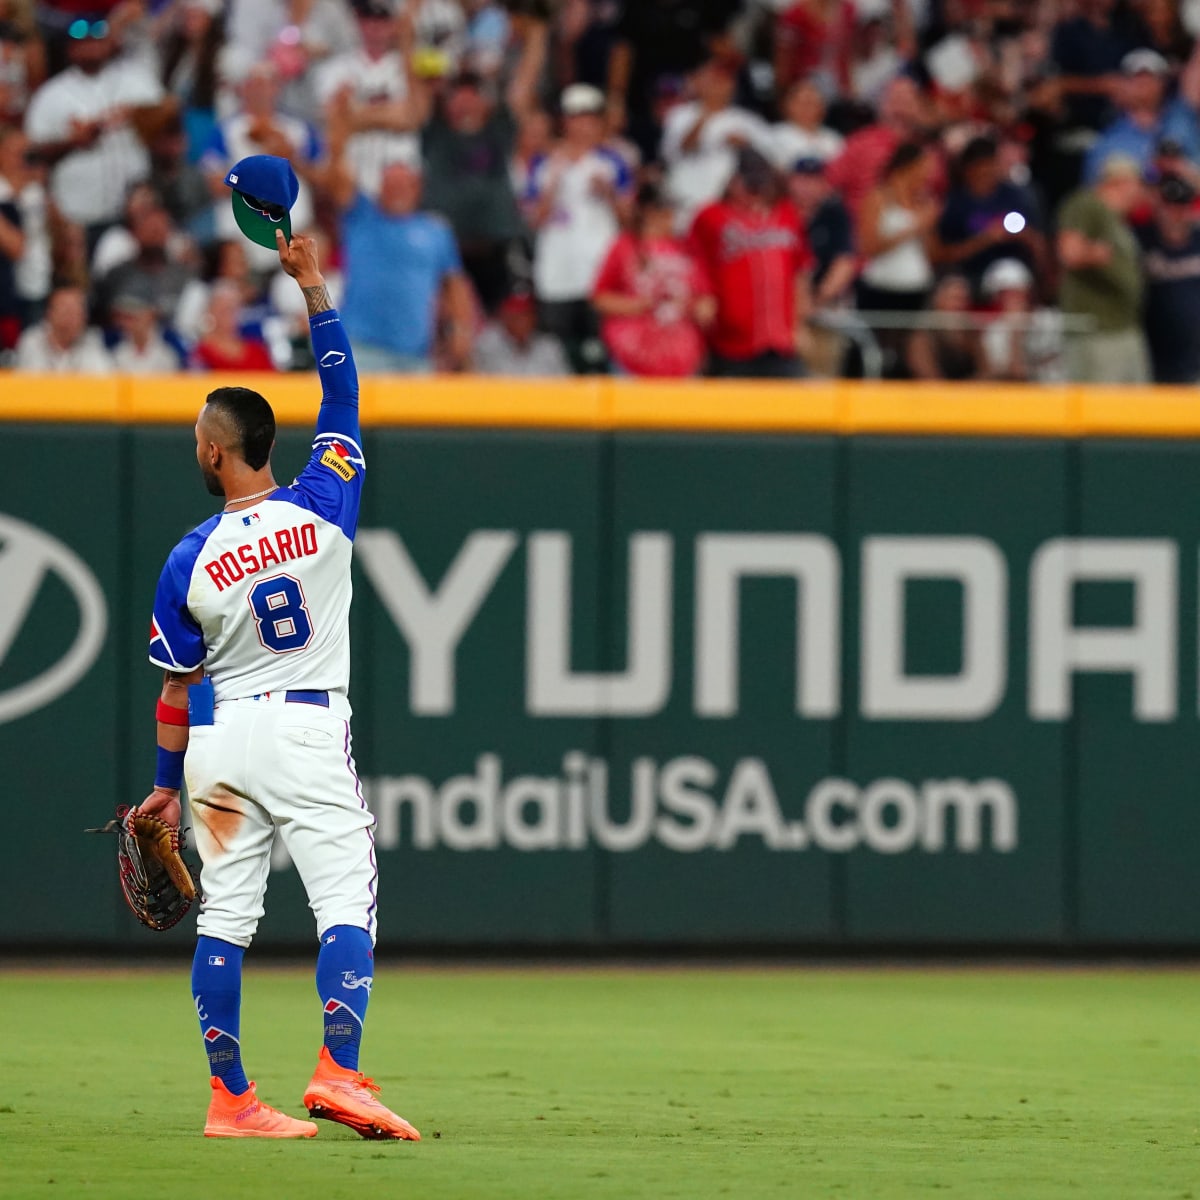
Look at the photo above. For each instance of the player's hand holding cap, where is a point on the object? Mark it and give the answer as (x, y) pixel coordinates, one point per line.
(264, 189)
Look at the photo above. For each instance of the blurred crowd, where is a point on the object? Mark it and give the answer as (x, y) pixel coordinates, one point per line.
(928, 189)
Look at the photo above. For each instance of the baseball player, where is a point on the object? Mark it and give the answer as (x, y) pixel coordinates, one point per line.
(250, 625)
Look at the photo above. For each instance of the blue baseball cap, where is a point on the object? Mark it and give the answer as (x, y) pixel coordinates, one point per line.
(264, 189)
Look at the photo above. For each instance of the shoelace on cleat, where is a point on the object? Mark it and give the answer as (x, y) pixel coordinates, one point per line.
(364, 1082)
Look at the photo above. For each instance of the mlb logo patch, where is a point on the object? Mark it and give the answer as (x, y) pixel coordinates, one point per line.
(216, 960)
(252, 519)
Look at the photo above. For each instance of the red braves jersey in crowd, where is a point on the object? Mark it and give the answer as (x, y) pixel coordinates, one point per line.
(752, 257)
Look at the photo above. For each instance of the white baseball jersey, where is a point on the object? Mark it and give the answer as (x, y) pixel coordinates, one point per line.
(261, 597)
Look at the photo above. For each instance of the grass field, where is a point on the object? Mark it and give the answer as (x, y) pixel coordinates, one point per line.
(539, 1083)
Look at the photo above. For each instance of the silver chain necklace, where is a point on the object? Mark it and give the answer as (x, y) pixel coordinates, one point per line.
(257, 496)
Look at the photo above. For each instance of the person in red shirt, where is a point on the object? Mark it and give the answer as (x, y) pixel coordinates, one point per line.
(224, 347)
(755, 254)
(815, 37)
(653, 296)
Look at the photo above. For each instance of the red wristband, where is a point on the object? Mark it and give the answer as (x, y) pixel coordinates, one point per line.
(169, 715)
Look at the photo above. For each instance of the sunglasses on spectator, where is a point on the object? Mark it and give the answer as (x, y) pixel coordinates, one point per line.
(82, 29)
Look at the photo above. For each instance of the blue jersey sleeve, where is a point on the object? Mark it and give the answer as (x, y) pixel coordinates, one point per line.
(331, 484)
(176, 641)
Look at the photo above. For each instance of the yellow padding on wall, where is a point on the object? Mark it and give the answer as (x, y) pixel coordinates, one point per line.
(599, 402)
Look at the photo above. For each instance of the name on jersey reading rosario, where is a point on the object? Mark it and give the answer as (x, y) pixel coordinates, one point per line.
(251, 557)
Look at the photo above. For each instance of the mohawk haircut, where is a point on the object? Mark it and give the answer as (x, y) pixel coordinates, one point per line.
(249, 418)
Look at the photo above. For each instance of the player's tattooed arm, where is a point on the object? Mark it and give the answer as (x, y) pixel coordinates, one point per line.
(317, 299)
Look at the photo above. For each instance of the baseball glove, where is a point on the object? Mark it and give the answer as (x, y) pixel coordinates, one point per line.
(159, 886)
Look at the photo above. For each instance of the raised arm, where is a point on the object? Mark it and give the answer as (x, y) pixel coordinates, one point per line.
(338, 416)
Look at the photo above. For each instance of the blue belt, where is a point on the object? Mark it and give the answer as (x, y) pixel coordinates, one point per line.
(321, 698)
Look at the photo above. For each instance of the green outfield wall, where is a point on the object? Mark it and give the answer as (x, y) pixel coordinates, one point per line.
(710, 688)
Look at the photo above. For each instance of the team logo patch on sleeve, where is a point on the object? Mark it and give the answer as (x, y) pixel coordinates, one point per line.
(335, 459)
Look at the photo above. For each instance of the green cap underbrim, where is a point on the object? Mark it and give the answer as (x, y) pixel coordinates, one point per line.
(257, 227)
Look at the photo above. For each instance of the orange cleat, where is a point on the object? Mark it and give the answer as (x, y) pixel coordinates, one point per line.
(338, 1094)
(231, 1116)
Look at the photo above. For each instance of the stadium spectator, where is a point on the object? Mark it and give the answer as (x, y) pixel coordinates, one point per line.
(512, 345)
(12, 247)
(260, 127)
(294, 37)
(118, 244)
(813, 40)
(181, 184)
(23, 199)
(1020, 342)
(653, 296)
(949, 350)
(895, 231)
(1146, 117)
(1102, 278)
(535, 137)
(62, 342)
(902, 118)
(701, 138)
(222, 261)
(89, 121)
(22, 59)
(987, 217)
(1171, 264)
(883, 43)
(578, 195)
(225, 344)
(658, 41)
(372, 83)
(400, 263)
(802, 132)
(468, 145)
(192, 45)
(828, 230)
(142, 349)
(152, 272)
(753, 252)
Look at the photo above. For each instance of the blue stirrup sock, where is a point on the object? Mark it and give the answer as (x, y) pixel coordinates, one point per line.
(217, 990)
(345, 971)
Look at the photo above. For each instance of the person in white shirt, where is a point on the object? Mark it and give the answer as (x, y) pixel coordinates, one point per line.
(701, 139)
(62, 343)
(801, 134)
(295, 37)
(373, 85)
(86, 122)
(258, 127)
(511, 345)
(575, 201)
(142, 349)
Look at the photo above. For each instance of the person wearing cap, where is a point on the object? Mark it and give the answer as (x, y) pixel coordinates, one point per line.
(468, 142)
(757, 260)
(701, 138)
(511, 344)
(828, 228)
(1020, 343)
(1171, 263)
(577, 197)
(88, 123)
(1102, 278)
(373, 82)
(1147, 117)
(402, 266)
